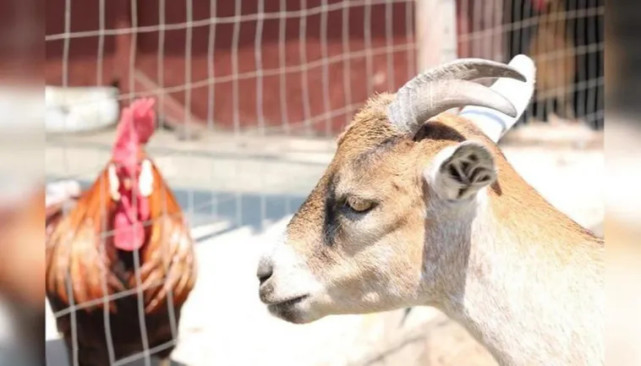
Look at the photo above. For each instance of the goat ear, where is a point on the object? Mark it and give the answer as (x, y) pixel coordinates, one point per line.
(462, 171)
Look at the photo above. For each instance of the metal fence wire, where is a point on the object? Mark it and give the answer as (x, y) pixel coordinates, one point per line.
(564, 37)
(257, 90)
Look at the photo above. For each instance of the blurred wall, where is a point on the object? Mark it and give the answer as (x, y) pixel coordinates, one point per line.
(83, 56)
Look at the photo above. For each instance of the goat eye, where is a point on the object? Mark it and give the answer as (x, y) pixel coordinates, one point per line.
(358, 204)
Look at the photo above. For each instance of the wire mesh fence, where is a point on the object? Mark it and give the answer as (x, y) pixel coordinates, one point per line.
(250, 77)
(277, 65)
(259, 88)
(565, 39)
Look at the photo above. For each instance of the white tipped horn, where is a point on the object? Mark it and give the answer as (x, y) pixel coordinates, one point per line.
(448, 86)
(494, 124)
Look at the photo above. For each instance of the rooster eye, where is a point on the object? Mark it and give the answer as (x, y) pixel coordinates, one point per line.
(358, 204)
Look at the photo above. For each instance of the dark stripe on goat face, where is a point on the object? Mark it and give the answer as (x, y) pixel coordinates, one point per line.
(333, 205)
(434, 130)
(386, 145)
(330, 211)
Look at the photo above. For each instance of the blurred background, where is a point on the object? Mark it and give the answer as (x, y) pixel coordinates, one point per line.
(250, 97)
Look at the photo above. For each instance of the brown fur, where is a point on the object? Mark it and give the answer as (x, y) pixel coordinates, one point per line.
(509, 194)
(374, 162)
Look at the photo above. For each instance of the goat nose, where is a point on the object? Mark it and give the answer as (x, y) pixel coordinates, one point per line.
(265, 270)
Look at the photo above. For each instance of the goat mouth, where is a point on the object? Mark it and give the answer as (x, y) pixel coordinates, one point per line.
(288, 303)
(289, 310)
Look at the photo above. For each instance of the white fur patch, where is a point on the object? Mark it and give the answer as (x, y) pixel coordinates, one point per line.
(146, 179)
(291, 276)
(512, 298)
(114, 182)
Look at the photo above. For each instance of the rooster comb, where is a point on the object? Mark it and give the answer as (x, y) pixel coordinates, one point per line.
(136, 126)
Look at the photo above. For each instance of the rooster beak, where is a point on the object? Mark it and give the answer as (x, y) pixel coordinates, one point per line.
(146, 179)
(114, 183)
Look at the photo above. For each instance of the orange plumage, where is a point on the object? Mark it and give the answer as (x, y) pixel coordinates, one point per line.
(126, 234)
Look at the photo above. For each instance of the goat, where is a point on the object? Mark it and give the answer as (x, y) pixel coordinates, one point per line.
(420, 207)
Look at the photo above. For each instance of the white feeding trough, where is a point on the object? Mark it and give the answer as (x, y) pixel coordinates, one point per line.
(77, 109)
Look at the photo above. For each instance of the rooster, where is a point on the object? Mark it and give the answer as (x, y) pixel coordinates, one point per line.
(120, 263)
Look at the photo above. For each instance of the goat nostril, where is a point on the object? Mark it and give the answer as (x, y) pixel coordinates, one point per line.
(262, 279)
(265, 271)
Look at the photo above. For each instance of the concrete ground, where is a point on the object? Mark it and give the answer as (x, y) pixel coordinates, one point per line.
(239, 192)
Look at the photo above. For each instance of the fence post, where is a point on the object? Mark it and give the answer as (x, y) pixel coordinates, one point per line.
(435, 32)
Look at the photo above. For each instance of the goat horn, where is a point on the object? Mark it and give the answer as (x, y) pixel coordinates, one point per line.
(449, 86)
